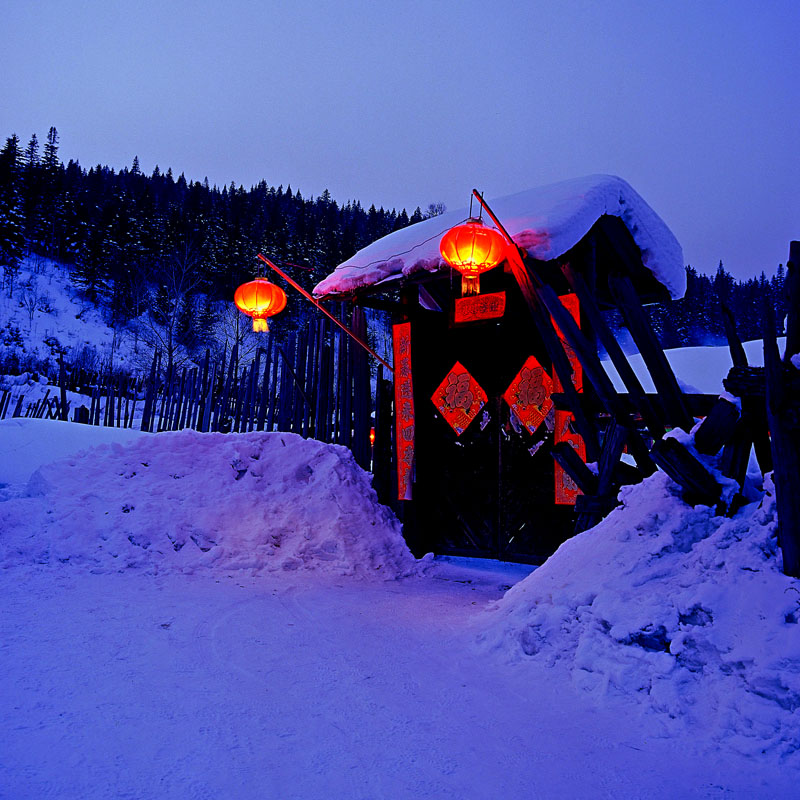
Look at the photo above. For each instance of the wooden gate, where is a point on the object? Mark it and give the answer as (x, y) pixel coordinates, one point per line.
(488, 491)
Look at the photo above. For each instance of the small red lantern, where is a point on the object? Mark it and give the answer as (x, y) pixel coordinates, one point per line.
(472, 248)
(260, 299)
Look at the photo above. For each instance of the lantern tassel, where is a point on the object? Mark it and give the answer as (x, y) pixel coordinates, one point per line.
(470, 284)
(260, 325)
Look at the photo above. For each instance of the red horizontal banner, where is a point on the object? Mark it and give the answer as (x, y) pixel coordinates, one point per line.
(480, 306)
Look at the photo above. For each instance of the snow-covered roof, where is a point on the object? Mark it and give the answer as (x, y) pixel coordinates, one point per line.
(547, 222)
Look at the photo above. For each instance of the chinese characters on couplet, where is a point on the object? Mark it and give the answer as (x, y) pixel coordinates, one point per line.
(481, 306)
(404, 408)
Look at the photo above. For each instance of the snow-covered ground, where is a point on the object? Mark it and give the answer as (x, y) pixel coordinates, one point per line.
(274, 639)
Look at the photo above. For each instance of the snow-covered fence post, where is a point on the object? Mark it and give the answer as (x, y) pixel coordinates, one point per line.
(361, 392)
(62, 383)
(150, 396)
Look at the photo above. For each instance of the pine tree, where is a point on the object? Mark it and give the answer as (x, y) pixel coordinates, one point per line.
(50, 157)
(12, 221)
(32, 153)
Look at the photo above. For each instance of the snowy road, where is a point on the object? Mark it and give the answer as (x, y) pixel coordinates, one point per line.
(291, 686)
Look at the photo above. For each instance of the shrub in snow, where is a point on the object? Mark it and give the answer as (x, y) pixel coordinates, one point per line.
(183, 501)
(687, 613)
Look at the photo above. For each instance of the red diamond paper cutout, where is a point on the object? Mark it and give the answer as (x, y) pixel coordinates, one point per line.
(459, 398)
(529, 394)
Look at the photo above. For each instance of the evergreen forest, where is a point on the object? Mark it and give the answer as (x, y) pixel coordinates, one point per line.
(135, 242)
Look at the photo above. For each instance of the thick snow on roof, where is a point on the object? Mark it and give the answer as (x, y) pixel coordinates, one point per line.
(547, 222)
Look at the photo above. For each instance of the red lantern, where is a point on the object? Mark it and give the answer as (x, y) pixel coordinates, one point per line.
(472, 248)
(260, 299)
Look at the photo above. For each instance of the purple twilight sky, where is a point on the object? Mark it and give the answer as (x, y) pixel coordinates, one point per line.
(404, 103)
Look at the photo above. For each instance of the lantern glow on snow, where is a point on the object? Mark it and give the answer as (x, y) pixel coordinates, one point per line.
(472, 248)
(260, 299)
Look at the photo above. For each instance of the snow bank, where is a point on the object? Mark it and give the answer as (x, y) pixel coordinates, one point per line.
(185, 501)
(27, 443)
(546, 221)
(666, 605)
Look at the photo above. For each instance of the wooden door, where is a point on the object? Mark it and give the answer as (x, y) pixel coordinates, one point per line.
(488, 491)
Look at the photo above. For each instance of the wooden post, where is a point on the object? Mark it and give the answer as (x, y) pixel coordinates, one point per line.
(222, 418)
(699, 485)
(197, 422)
(620, 361)
(361, 394)
(261, 414)
(149, 397)
(738, 356)
(564, 453)
(299, 374)
(273, 387)
(62, 382)
(593, 370)
(652, 354)
(287, 390)
(793, 302)
(717, 428)
(555, 350)
(345, 389)
(783, 417)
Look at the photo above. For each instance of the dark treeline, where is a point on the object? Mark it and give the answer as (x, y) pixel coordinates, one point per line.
(697, 318)
(122, 232)
(160, 244)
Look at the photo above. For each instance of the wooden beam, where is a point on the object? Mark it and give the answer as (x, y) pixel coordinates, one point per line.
(738, 356)
(612, 347)
(564, 453)
(592, 509)
(717, 428)
(793, 302)
(783, 417)
(555, 350)
(651, 351)
(699, 485)
(593, 369)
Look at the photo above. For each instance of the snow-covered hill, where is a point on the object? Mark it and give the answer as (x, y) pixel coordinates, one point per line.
(46, 312)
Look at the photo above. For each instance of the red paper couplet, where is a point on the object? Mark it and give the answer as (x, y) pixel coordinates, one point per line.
(566, 492)
(480, 306)
(404, 408)
(459, 398)
(528, 395)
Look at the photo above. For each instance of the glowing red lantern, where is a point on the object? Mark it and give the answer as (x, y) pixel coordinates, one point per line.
(472, 248)
(260, 299)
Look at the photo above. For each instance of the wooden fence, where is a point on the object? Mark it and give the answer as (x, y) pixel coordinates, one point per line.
(316, 383)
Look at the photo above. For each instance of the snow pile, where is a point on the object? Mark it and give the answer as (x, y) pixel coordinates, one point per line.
(547, 222)
(182, 501)
(666, 605)
(27, 443)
